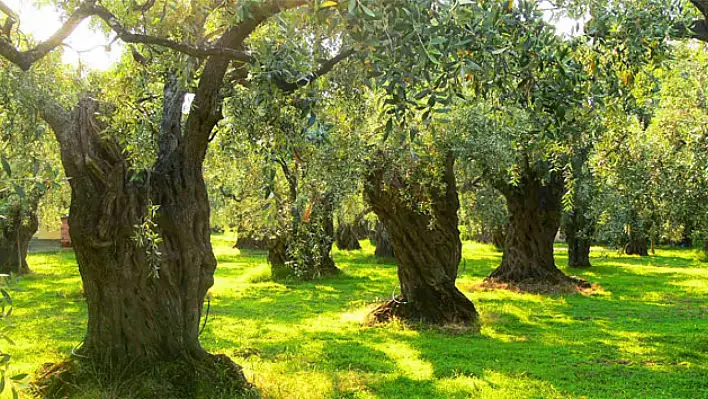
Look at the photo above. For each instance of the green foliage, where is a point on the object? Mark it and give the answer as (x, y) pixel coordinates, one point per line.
(148, 237)
(654, 172)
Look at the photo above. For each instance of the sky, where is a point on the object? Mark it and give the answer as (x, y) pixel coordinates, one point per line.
(89, 47)
(42, 23)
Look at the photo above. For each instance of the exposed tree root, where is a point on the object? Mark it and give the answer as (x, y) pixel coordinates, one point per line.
(565, 285)
(454, 312)
(212, 376)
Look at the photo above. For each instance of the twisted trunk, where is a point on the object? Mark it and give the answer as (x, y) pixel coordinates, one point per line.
(427, 246)
(347, 237)
(384, 246)
(144, 302)
(17, 231)
(577, 228)
(534, 219)
(638, 245)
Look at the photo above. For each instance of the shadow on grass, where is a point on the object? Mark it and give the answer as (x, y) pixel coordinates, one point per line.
(644, 336)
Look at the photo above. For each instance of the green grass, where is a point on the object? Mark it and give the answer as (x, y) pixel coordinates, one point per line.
(644, 335)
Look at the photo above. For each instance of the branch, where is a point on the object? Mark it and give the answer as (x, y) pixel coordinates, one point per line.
(145, 6)
(11, 19)
(195, 51)
(25, 59)
(206, 107)
(312, 76)
(230, 195)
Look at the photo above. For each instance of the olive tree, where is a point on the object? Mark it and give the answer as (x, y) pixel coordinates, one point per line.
(135, 159)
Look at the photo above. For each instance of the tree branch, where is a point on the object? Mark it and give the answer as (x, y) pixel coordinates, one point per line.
(206, 107)
(25, 59)
(325, 68)
(195, 51)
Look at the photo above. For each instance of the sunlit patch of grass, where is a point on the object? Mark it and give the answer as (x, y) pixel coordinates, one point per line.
(643, 336)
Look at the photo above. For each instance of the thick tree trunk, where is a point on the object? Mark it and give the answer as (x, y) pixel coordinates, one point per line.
(347, 237)
(576, 227)
(384, 246)
(427, 246)
(247, 240)
(534, 219)
(144, 288)
(578, 252)
(278, 252)
(638, 245)
(141, 304)
(17, 231)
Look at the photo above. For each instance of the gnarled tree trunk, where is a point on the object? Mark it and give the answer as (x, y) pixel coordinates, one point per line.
(143, 307)
(347, 239)
(427, 246)
(534, 219)
(577, 227)
(638, 245)
(16, 232)
(384, 246)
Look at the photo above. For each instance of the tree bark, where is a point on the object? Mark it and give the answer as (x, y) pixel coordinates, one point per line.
(534, 219)
(578, 251)
(17, 231)
(576, 228)
(144, 308)
(638, 245)
(384, 246)
(347, 239)
(427, 246)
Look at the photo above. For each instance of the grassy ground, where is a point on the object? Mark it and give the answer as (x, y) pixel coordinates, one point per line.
(643, 336)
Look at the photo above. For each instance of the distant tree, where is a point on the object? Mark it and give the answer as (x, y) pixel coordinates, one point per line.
(28, 171)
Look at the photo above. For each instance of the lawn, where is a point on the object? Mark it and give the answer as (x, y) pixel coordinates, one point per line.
(644, 334)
